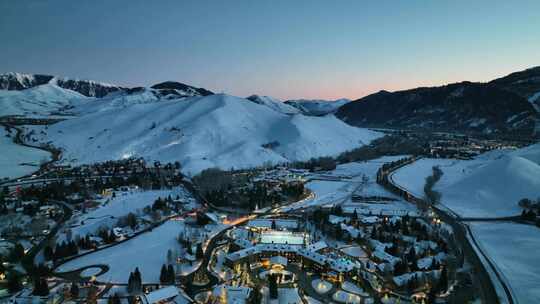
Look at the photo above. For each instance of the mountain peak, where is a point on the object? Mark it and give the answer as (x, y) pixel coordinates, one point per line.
(178, 88)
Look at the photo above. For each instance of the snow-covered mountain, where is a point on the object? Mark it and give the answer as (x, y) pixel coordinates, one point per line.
(201, 132)
(463, 107)
(41, 100)
(19, 81)
(317, 107)
(274, 104)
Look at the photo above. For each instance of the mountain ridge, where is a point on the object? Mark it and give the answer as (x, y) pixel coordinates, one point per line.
(501, 106)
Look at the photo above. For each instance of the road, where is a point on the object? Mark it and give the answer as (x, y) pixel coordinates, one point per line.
(463, 234)
(55, 154)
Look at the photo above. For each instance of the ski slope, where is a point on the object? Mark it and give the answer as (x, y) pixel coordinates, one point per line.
(201, 132)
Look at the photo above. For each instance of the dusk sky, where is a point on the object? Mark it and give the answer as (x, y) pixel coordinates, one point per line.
(286, 49)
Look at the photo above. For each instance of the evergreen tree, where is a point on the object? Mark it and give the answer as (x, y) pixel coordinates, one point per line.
(48, 253)
(14, 282)
(170, 274)
(130, 283)
(163, 275)
(443, 280)
(137, 279)
(200, 253)
(74, 290)
(272, 286)
(41, 288)
(17, 253)
(116, 299)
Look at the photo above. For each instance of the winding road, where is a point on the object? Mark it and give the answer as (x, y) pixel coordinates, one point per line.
(463, 235)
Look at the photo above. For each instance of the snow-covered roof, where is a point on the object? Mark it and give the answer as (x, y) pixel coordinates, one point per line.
(161, 294)
(244, 243)
(317, 246)
(338, 265)
(279, 260)
(334, 219)
(212, 216)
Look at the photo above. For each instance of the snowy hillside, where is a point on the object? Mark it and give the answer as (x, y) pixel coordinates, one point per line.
(40, 100)
(274, 104)
(489, 186)
(495, 189)
(15, 160)
(201, 132)
(317, 107)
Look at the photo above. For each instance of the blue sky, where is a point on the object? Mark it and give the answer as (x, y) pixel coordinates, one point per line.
(286, 49)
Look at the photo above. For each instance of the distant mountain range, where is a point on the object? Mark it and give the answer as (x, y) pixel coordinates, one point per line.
(508, 105)
(89, 88)
(18, 81)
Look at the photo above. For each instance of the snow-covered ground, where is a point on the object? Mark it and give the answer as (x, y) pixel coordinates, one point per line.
(367, 169)
(514, 249)
(111, 209)
(488, 186)
(16, 160)
(324, 192)
(147, 251)
(201, 132)
(338, 185)
(287, 296)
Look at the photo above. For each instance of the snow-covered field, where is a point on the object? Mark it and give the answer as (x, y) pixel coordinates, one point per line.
(16, 160)
(488, 186)
(514, 249)
(201, 132)
(147, 251)
(338, 185)
(367, 169)
(324, 192)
